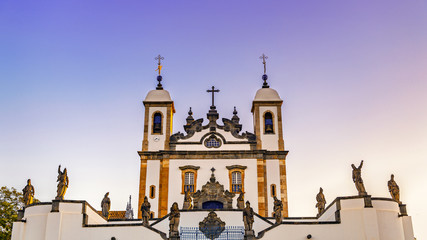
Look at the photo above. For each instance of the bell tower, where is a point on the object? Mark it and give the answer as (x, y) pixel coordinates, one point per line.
(267, 117)
(159, 110)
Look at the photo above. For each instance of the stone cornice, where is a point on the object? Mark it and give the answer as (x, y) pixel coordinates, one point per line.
(228, 154)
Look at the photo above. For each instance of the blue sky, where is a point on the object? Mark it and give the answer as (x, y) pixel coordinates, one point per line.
(352, 75)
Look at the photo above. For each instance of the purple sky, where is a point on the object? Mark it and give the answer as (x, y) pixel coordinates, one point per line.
(352, 74)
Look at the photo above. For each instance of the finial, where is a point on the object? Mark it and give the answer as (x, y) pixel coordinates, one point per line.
(212, 179)
(190, 112)
(235, 111)
(190, 118)
(235, 118)
(159, 68)
(264, 77)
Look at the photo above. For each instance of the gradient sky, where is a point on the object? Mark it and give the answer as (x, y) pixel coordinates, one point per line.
(352, 74)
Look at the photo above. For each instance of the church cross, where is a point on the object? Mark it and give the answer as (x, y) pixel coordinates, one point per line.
(263, 57)
(159, 68)
(213, 91)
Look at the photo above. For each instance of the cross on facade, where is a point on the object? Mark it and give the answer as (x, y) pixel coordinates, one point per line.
(263, 57)
(159, 67)
(213, 91)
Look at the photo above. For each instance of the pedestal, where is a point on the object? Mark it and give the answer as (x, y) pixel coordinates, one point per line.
(174, 235)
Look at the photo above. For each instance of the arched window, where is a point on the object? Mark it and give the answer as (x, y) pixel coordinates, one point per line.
(152, 191)
(236, 181)
(189, 182)
(157, 123)
(268, 123)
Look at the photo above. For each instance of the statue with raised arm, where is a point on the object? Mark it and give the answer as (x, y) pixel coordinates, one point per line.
(187, 201)
(248, 217)
(105, 205)
(145, 209)
(62, 183)
(28, 193)
(241, 201)
(393, 188)
(277, 209)
(174, 216)
(321, 202)
(357, 179)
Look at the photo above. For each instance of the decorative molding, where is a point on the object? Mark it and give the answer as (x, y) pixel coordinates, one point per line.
(186, 167)
(219, 154)
(213, 191)
(212, 226)
(236, 167)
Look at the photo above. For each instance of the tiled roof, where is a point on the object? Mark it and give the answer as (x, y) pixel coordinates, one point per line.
(115, 214)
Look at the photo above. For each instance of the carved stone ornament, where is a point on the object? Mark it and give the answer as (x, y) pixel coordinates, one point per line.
(213, 191)
(212, 226)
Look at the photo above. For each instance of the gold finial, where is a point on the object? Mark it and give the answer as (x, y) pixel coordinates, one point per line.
(159, 67)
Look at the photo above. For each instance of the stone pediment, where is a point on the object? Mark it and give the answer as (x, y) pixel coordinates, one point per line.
(213, 191)
(212, 127)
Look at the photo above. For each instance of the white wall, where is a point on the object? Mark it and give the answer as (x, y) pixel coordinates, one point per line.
(153, 177)
(357, 223)
(273, 177)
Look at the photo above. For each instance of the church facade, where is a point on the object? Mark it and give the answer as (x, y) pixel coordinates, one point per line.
(214, 181)
(252, 163)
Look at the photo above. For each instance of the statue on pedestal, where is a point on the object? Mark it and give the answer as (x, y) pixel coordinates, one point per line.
(248, 220)
(105, 205)
(145, 209)
(187, 201)
(278, 208)
(393, 188)
(174, 216)
(357, 179)
(321, 202)
(62, 183)
(28, 193)
(241, 201)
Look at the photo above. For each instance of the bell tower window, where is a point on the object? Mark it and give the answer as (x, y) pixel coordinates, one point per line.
(268, 123)
(157, 123)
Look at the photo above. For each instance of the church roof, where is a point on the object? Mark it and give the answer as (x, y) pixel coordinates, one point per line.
(158, 96)
(267, 94)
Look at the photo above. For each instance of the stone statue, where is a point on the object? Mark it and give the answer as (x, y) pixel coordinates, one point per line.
(28, 193)
(145, 209)
(248, 217)
(321, 202)
(393, 188)
(187, 201)
(62, 184)
(174, 221)
(105, 205)
(241, 201)
(278, 208)
(357, 179)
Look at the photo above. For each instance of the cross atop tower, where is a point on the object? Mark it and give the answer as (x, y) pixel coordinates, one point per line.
(264, 77)
(159, 68)
(213, 91)
(263, 57)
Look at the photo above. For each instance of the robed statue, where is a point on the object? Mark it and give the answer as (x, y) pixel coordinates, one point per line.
(241, 201)
(248, 217)
(357, 179)
(187, 201)
(277, 209)
(145, 209)
(393, 188)
(28, 193)
(321, 202)
(105, 205)
(62, 183)
(174, 216)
